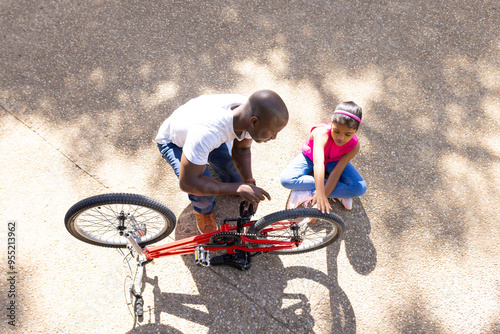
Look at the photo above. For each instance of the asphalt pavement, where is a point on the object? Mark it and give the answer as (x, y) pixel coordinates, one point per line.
(85, 85)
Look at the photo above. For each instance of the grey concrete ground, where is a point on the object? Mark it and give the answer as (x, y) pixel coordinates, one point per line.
(84, 86)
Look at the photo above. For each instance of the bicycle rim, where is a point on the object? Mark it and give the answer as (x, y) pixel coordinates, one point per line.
(313, 229)
(104, 220)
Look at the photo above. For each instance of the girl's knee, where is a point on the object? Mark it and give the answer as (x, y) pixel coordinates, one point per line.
(360, 188)
(289, 180)
(286, 181)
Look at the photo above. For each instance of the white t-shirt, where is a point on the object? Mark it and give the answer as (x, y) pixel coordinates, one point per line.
(202, 125)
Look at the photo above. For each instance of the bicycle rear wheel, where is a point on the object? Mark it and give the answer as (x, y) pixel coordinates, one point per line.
(311, 228)
(103, 220)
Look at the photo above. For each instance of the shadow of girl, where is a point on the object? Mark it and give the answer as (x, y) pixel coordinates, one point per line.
(359, 248)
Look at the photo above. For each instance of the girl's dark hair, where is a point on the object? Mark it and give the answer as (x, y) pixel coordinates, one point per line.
(352, 108)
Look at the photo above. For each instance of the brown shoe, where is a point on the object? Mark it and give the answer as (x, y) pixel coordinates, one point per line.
(206, 223)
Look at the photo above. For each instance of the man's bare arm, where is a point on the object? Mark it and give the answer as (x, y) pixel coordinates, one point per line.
(193, 182)
(242, 158)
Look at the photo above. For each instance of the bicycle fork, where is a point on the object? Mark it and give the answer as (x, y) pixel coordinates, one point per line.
(135, 292)
(135, 287)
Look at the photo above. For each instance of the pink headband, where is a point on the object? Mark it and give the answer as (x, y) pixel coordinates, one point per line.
(348, 114)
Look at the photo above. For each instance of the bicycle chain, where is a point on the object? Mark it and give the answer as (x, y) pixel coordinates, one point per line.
(255, 235)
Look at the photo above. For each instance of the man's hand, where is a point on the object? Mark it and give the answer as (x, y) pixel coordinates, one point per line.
(252, 194)
(193, 182)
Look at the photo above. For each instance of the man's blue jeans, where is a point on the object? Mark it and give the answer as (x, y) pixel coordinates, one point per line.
(219, 159)
(299, 176)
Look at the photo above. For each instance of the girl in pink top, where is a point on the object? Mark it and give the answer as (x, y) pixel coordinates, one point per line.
(323, 169)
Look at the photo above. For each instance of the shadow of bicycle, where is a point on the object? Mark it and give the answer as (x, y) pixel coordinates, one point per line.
(270, 297)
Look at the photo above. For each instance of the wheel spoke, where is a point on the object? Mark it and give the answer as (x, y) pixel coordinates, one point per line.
(105, 220)
(101, 222)
(315, 230)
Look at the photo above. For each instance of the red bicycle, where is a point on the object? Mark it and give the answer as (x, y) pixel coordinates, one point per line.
(134, 221)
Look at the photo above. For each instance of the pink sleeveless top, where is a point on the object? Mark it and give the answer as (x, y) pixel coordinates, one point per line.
(333, 152)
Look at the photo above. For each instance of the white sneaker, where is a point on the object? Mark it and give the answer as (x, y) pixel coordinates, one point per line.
(347, 202)
(299, 197)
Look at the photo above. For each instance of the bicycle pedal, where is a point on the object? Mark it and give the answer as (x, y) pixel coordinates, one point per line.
(201, 257)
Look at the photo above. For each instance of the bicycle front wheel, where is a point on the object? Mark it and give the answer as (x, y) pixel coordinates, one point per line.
(104, 220)
(308, 227)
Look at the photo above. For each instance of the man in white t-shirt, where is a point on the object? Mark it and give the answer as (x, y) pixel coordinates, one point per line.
(201, 132)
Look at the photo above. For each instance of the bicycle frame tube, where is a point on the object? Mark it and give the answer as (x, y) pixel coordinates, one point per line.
(188, 245)
(183, 246)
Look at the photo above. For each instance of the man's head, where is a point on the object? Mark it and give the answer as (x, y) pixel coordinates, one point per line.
(268, 115)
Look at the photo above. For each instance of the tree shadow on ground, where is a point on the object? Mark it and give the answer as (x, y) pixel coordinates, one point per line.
(96, 79)
(110, 74)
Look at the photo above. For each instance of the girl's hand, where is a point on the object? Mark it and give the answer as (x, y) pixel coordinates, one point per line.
(321, 202)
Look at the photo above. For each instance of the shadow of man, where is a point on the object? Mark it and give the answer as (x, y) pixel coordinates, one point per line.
(264, 298)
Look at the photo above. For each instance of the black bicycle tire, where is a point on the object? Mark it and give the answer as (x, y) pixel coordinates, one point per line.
(119, 198)
(270, 219)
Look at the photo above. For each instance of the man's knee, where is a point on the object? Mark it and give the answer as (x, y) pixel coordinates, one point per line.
(203, 204)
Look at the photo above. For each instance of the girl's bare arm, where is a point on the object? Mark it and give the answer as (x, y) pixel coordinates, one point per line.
(320, 138)
(334, 177)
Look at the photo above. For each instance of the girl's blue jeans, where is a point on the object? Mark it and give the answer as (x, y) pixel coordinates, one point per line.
(299, 176)
(219, 159)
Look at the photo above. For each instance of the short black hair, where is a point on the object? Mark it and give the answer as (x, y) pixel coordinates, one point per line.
(267, 104)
